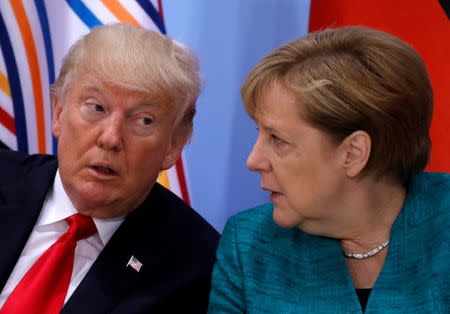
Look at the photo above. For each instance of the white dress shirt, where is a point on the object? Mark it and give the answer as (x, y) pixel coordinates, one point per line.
(49, 227)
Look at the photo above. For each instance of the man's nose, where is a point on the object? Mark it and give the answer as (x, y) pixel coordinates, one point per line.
(111, 136)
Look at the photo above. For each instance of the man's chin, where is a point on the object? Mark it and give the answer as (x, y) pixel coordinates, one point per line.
(102, 210)
(98, 205)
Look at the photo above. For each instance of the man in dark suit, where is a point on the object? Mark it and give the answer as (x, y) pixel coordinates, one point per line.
(123, 108)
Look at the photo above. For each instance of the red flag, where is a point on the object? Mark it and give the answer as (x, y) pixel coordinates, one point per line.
(422, 23)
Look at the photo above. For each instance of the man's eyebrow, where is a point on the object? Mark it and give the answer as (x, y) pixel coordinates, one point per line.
(150, 100)
(91, 87)
(147, 104)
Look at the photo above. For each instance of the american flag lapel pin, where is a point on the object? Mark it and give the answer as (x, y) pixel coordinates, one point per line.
(134, 263)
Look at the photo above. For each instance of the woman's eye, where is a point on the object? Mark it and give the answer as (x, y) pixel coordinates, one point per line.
(276, 139)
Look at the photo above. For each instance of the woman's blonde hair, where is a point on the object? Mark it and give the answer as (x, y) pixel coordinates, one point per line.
(356, 78)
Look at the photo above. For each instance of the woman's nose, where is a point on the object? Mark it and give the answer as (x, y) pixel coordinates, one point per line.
(257, 159)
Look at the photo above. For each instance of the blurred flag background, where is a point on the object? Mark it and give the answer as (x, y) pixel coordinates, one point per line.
(229, 37)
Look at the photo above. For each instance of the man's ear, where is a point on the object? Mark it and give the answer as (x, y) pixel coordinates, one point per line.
(174, 151)
(56, 116)
(357, 147)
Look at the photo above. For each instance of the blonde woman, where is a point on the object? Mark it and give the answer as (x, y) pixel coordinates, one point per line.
(354, 223)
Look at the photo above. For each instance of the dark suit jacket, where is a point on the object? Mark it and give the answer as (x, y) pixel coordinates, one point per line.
(176, 246)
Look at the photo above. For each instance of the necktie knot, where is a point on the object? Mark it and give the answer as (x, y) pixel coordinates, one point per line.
(81, 226)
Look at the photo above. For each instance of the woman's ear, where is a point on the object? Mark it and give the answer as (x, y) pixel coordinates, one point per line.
(357, 148)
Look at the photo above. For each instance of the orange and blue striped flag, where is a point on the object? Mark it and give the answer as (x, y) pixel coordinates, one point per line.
(34, 37)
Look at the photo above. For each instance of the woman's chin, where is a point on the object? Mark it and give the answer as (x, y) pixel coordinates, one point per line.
(286, 218)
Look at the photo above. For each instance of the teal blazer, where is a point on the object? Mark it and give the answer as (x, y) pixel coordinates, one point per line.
(263, 268)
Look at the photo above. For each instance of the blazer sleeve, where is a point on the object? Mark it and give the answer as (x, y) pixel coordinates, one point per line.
(227, 293)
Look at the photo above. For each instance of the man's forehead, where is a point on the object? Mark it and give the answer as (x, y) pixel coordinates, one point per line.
(104, 87)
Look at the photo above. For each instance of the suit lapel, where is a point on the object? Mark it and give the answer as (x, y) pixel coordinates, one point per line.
(109, 280)
(19, 209)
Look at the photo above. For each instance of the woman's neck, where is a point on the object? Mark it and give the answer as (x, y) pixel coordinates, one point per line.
(372, 210)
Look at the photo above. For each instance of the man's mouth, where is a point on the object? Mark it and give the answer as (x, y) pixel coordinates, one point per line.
(105, 170)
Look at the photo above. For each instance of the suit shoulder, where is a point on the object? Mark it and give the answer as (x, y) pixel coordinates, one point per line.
(256, 217)
(433, 179)
(429, 205)
(17, 166)
(24, 174)
(254, 223)
(254, 240)
(11, 160)
(182, 216)
(169, 228)
(430, 192)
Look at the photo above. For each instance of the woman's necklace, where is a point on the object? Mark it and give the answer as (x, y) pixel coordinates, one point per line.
(371, 253)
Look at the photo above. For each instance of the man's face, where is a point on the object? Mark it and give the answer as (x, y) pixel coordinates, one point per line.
(112, 144)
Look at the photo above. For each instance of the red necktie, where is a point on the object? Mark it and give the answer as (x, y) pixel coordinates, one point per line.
(44, 287)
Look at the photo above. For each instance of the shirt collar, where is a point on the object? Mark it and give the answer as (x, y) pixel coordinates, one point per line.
(58, 207)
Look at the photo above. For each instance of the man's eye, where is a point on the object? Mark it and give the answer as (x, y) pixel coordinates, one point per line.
(95, 107)
(145, 121)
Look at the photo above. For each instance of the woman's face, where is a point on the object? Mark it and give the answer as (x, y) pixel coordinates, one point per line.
(299, 164)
